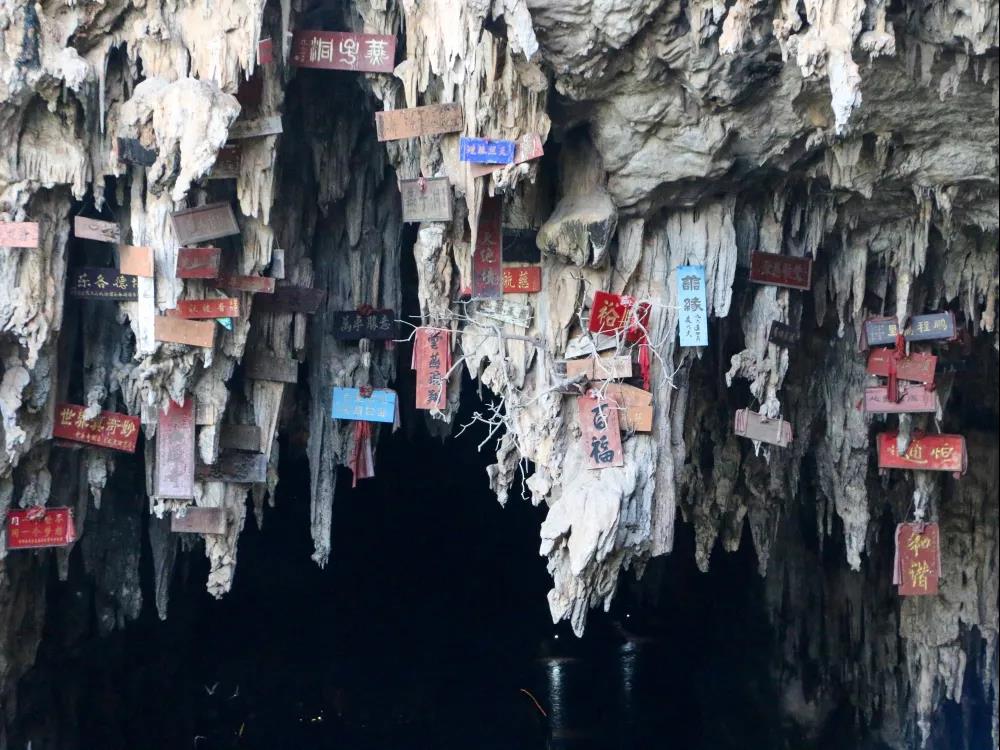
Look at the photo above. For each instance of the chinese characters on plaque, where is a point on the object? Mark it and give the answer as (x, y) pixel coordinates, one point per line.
(339, 50)
(195, 520)
(917, 367)
(18, 234)
(485, 151)
(925, 453)
(367, 405)
(522, 279)
(31, 528)
(487, 279)
(174, 477)
(432, 361)
(912, 398)
(613, 313)
(692, 318)
(353, 325)
(526, 148)
(426, 199)
(781, 270)
(929, 327)
(102, 283)
(917, 566)
(434, 119)
(601, 435)
(107, 430)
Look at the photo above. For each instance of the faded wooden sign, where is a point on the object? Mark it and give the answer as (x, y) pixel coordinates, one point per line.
(596, 368)
(783, 335)
(292, 299)
(258, 127)
(392, 125)
(32, 528)
(195, 520)
(179, 331)
(198, 262)
(364, 405)
(339, 50)
(634, 405)
(95, 229)
(102, 283)
(881, 331)
(432, 361)
(914, 398)
(750, 424)
(18, 234)
(255, 284)
(925, 453)
(204, 223)
(505, 311)
(227, 163)
(131, 151)
(107, 430)
(601, 434)
(135, 260)
(520, 245)
(526, 148)
(258, 366)
(240, 437)
(234, 466)
(522, 279)
(917, 367)
(426, 199)
(353, 325)
(485, 151)
(917, 566)
(487, 279)
(692, 322)
(781, 270)
(175, 446)
(194, 309)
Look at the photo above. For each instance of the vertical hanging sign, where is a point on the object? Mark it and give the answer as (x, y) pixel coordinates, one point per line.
(432, 361)
(175, 451)
(918, 559)
(487, 278)
(693, 318)
(602, 440)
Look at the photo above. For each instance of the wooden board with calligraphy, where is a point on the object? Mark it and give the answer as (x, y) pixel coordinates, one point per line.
(254, 284)
(433, 119)
(432, 361)
(783, 335)
(238, 467)
(506, 311)
(370, 405)
(19, 234)
(292, 299)
(208, 222)
(750, 424)
(917, 367)
(485, 151)
(914, 398)
(692, 322)
(781, 270)
(95, 229)
(526, 148)
(925, 453)
(487, 280)
(34, 528)
(175, 446)
(131, 151)
(195, 309)
(198, 262)
(196, 520)
(135, 260)
(107, 430)
(600, 432)
(102, 283)
(522, 279)
(917, 562)
(340, 50)
(354, 325)
(179, 331)
(258, 366)
(426, 199)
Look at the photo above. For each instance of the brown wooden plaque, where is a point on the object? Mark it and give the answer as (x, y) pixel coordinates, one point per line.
(180, 331)
(426, 199)
(255, 284)
(750, 424)
(198, 262)
(601, 434)
(433, 119)
(240, 437)
(487, 277)
(635, 406)
(265, 367)
(95, 229)
(18, 234)
(783, 335)
(227, 163)
(193, 309)
(236, 466)
(255, 128)
(781, 270)
(135, 260)
(596, 368)
(175, 446)
(292, 299)
(203, 223)
(194, 520)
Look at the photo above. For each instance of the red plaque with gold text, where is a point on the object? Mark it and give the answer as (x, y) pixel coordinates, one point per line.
(918, 559)
(918, 367)
(107, 430)
(30, 528)
(925, 453)
(522, 279)
(194, 309)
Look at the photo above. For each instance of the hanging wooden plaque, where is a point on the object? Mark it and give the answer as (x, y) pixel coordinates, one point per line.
(781, 270)
(506, 311)
(917, 367)
(235, 466)
(596, 368)
(259, 366)
(175, 445)
(255, 284)
(881, 331)
(33, 528)
(95, 229)
(107, 430)
(750, 424)
(925, 453)
(486, 151)
(340, 50)
(135, 260)
(432, 361)
(265, 51)
(601, 434)
(193, 309)
(352, 325)
(193, 225)
(634, 405)
(131, 151)
(392, 125)
(227, 163)
(526, 148)
(195, 520)
(102, 283)
(198, 262)
(783, 335)
(692, 322)
(258, 127)
(179, 331)
(487, 279)
(426, 199)
(19, 234)
(914, 398)
(918, 559)
(522, 279)
(292, 299)
(240, 437)
(364, 405)
(932, 327)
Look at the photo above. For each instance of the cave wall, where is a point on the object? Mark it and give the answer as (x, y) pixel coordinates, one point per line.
(862, 134)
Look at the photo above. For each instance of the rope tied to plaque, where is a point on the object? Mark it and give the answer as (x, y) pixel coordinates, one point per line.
(635, 333)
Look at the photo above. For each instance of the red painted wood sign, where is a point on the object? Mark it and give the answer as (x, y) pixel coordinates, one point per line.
(487, 282)
(781, 270)
(340, 50)
(198, 262)
(918, 367)
(611, 313)
(918, 559)
(432, 361)
(926, 453)
(601, 435)
(18, 234)
(914, 398)
(256, 284)
(175, 445)
(522, 279)
(194, 309)
(29, 528)
(108, 430)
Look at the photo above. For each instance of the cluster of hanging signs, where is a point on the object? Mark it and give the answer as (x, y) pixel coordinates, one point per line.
(505, 263)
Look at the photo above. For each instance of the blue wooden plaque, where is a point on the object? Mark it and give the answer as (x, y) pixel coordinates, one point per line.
(348, 403)
(692, 319)
(486, 151)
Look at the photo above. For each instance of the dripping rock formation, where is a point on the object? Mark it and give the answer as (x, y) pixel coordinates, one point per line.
(860, 135)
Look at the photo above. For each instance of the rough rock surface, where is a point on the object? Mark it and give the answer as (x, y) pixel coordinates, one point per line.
(859, 133)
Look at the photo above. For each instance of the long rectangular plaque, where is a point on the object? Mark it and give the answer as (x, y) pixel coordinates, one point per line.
(487, 278)
(292, 299)
(227, 163)
(426, 199)
(931, 327)
(135, 260)
(18, 234)
(373, 405)
(433, 119)
(340, 50)
(522, 279)
(198, 262)
(236, 466)
(204, 223)
(241, 437)
(596, 368)
(255, 284)
(259, 366)
(432, 361)
(193, 309)
(917, 559)
(195, 520)
(925, 453)
(33, 528)
(175, 445)
(781, 270)
(914, 398)
(180, 331)
(601, 434)
(526, 148)
(377, 325)
(634, 405)
(750, 424)
(692, 320)
(107, 430)
(506, 311)
(255, 128)
(917, 367)
(95, 229)
(485, 151)
(102, 283)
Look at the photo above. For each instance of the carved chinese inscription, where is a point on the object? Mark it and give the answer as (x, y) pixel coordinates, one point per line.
(918, 559)
(426, 199)
(601, 435)
(175, 445)
(108, 429)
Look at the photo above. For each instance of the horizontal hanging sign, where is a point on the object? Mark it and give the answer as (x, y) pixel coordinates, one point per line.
(255, 128)
(193, 309)
(102, 283)
(595, 368)
(351, 403)
(203, 223)
(522, 279)
(881, 331)
(227, 163)
(292, 299)
(351, 325)
(240, 437)
(750, 424)
(917, 367)
(175, 446)
(487, 280)
(634, 405)
(198, 262)
(107, 430)
(340, 50)
(781, 270)
(914, 398)
(433, 119)
(783, 335)
(600, 432)
(259, 366)
(265, 51)
(19, 234)
(519, 245)
(131, 151)
(179, 331)
(925, 453)
(506, 311)
(95, 229)
(526, 148)
(426, 199)
(255, 284)
(32, 528)
(485, 151)
(432, 361)
(931, 327)
(918, 559)
(195, 520)
(236, 467)
(692, 322)
(134, 260)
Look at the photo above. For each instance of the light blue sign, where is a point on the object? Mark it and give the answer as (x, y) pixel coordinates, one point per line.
(692, 320)
(485, 151)
(226, 323)
(348, 403)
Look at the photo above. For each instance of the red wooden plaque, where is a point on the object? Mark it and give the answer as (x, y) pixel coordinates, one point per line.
(926, 453)
(256, 284)
(107, 430)
(29, 528)
(781, 270)
(18, 234)
(339, 50)
(135, 260)
(175, 451)
(918, 367)
(487, 281)
(918, 559)
(432, 361)
(611, 313)
(601, 435)
(198, 262)
(265, 51)
(522, 279)
(914, 398)
(194, 309)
